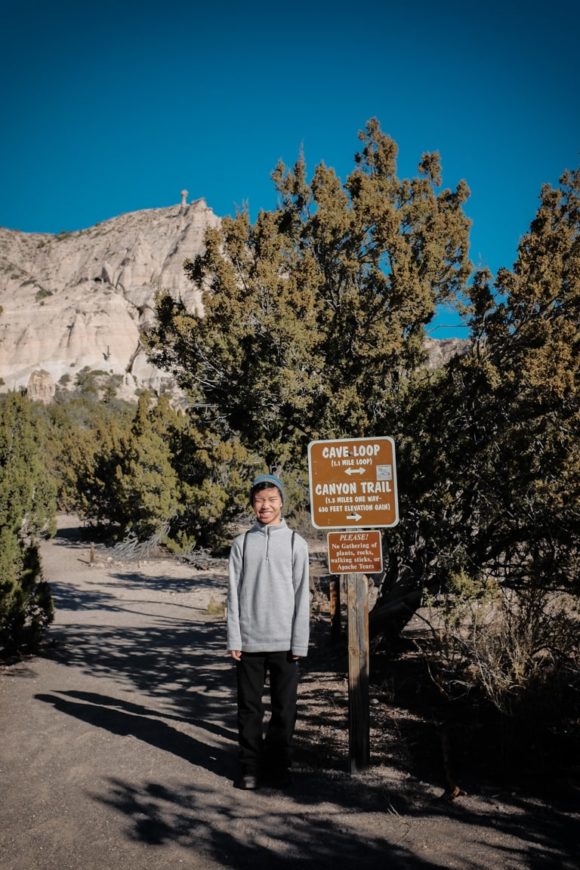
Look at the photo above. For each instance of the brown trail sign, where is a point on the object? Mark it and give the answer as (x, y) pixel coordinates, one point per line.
(353, 483)
(354, 552)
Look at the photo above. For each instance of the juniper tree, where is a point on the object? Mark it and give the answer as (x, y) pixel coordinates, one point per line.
(27, 511)
(314, 315)
(491, 456)
(145, 485)
(86, 460)
(213, 485)
(82, 433)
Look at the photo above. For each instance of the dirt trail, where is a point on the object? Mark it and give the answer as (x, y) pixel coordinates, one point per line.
(119, 750)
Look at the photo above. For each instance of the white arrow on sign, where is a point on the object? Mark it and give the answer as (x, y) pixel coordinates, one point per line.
(356, 517)
(350, 471)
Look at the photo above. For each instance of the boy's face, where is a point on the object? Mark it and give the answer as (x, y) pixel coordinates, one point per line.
(267, 504)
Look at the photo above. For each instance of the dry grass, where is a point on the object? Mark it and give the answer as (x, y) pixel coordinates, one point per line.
(519, 648)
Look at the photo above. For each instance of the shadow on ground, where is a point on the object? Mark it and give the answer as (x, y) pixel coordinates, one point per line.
(256, 831)
(308, 831)
(181, 667)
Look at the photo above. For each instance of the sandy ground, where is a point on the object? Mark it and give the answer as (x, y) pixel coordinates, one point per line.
(119, 750)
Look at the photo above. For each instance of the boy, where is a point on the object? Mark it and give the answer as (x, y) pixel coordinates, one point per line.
(268, 626)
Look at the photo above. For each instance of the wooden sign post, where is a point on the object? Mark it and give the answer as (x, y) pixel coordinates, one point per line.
(358, 671)
(334, 602)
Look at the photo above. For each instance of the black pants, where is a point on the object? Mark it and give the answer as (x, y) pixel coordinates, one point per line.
(273, 752)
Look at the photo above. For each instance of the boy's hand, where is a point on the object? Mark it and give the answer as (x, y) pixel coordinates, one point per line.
(236, 654)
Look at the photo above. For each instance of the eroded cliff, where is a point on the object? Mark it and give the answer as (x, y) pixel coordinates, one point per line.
(78, 300)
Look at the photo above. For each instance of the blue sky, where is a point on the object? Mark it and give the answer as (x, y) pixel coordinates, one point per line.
(116, 106)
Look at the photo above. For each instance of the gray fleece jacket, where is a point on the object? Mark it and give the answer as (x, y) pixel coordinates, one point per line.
(268, 598)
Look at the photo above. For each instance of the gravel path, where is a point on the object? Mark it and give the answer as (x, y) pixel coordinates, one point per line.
(119, 750)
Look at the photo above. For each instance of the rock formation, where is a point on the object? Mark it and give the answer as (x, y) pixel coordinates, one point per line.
(78, 300)
(440, 350)
(41, 387)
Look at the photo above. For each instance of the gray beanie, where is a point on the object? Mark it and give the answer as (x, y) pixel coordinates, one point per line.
(270, 479)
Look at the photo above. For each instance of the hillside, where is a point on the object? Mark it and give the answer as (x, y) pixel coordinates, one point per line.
(77, 300)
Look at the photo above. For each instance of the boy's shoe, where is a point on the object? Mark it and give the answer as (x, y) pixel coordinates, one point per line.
(249, 781)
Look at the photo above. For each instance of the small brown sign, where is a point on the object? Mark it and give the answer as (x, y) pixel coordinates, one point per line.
(356, 552)
(353, 483)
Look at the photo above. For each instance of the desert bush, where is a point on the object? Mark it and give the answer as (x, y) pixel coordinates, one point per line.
(147, 472)
(43, 293)
(97, 383)
(26, 607)
(526, 657)
(516, 648)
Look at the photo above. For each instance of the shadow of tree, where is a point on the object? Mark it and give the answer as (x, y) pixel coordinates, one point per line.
(249, 831)
(68, 597)
(72, 535)
(165, 583)
(182, 665)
